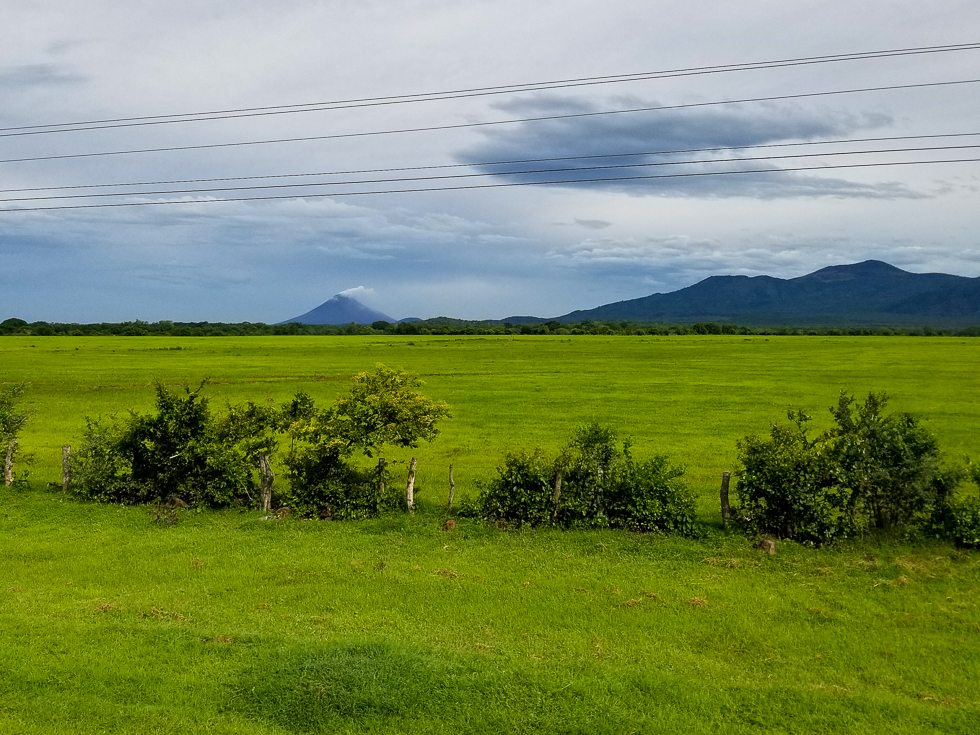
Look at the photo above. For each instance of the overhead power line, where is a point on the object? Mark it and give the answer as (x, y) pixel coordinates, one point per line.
(563, 170)
(458, 126)
(493, 186)
(475, 164)
(322, 106)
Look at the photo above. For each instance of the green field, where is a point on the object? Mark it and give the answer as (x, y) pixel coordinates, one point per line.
(223, 623)
(689, 397)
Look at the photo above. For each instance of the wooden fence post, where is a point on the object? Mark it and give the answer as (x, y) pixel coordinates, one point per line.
(452, 488)
(726, 511)
(265, 470)
(557, 495)
(65, 467)
(410, 488)
(381, 478)
(8, 467)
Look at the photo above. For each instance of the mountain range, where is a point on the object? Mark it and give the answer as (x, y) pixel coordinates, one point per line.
(872, 294)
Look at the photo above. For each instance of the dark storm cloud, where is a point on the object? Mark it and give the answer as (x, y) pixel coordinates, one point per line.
(672, 131)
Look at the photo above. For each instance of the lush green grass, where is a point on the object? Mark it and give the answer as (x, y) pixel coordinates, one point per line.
(223, 623)
(689, 397)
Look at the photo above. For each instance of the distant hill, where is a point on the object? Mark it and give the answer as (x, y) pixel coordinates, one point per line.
(871, 293)
(340, 310)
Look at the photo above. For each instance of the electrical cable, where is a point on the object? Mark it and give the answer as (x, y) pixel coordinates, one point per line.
(458, 126)
(483, 174)
(461, 93)
(839, 141)
(491, 186)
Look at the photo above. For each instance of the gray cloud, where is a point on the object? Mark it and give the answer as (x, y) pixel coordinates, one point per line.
(675, 130)
(26, 76)
(593, 224)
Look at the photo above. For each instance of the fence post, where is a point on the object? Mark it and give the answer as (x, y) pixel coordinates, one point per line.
(452, 488)
(556, 496)
(726, 511)
(410, 488)
(65, 467)
(265, 470)
(8, 467)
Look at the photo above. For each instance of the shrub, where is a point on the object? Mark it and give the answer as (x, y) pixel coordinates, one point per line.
(785, 486)
(965, 526)
(323, 485)
(521, 493)
(179, 451)
(650, 496)
(593, 483)
(870, 472)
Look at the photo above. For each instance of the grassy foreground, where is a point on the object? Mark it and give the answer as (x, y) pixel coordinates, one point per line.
(226, 624)
(222, 623)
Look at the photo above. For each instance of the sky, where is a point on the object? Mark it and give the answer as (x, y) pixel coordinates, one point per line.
(472, 253)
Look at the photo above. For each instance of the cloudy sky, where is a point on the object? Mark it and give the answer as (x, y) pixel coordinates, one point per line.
(679, 209)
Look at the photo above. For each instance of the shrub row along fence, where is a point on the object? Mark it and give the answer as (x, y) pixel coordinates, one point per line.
(872, 472)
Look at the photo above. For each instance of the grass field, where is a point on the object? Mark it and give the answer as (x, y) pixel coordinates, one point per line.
(226, 624)
(689, 397)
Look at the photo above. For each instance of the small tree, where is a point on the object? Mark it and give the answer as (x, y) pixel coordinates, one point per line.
(383, 408)
(12, 421)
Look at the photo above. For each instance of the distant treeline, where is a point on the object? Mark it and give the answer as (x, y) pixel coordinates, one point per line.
(445, 326)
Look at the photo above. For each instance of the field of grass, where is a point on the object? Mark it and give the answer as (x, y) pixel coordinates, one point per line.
(222, 623)
(689, 397)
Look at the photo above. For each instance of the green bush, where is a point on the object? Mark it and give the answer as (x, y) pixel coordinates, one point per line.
(12, 420)
(786, 487)
(593, 483)
(324, 485)
(650, 496)
(871, 472)
(521, 493)
(177, 452)
(965, 526)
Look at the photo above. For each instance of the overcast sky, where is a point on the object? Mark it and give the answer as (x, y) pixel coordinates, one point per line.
(474, 253)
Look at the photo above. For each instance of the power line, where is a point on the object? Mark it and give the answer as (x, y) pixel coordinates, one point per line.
(469, 92)
(458, 126)
(494, 186)
(565, 170)
(839, 141)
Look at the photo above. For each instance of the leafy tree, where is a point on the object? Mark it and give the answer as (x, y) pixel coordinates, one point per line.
(383, 408)
(12, 419)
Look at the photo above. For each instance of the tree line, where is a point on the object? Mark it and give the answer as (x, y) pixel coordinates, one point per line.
(445, 326)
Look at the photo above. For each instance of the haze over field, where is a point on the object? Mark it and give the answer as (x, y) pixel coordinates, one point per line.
(472, 253)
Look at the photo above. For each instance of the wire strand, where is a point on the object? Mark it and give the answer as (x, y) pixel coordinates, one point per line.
(462, 93)
(459, 126)
(491, 186)
(492, 173)
(839, 141)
